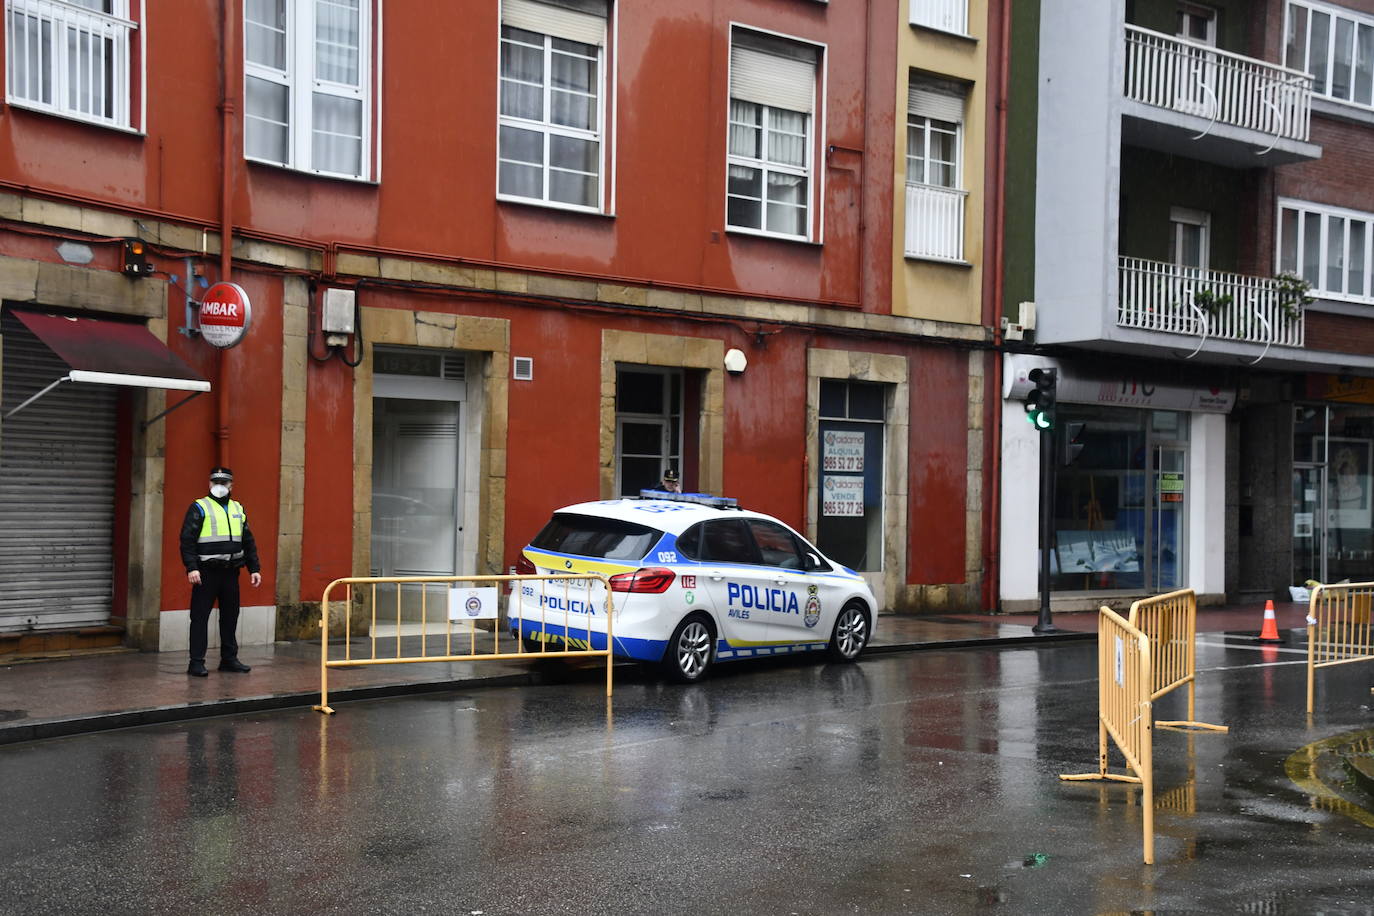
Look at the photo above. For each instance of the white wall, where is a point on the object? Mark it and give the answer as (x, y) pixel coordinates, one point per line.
(1206, 495)
(1019, 570)
(1078, 168)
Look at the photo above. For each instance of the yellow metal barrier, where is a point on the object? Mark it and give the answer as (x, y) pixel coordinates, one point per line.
(1170, 621)
(1338, 629)
(422, 593)
(1124, 712)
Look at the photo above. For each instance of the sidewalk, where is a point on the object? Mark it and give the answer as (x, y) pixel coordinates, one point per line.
(52, 698)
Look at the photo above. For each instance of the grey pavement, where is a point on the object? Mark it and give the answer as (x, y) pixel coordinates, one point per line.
(50, 698)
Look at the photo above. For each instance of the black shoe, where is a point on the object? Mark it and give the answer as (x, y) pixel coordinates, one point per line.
(233, 664)
(197, 669)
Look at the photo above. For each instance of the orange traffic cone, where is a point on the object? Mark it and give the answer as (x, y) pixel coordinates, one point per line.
(1270, 631)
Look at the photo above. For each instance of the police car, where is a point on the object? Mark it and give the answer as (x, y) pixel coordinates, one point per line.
(694, 579)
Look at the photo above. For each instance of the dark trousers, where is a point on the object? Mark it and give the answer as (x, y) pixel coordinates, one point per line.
(217, 583)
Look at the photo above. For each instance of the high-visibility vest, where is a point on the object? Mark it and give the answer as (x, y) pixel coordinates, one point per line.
(221, 531)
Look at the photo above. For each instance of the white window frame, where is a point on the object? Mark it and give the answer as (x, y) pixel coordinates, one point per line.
(127, 37)
(815, 128)
(1182, 216)
(1327, 214)
(1358, 21)
(604, 83)
(302, 85)
(913, 120)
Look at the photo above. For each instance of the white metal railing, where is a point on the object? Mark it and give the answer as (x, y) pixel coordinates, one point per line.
(1194, 78)
(945, 15)
(68, 59)
(1156, 296)
(934, 222)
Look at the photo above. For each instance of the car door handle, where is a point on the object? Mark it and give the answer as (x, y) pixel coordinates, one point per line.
(716, 575)
(779, 581)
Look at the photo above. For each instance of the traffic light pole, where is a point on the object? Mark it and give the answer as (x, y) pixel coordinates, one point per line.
(1045, 624)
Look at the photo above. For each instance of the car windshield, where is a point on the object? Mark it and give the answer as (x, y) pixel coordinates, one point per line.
(589, 536)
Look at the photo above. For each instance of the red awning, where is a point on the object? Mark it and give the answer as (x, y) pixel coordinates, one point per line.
(102, 351)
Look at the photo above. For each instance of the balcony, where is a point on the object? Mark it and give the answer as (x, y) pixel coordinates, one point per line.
(935, 223)
(1194, 100)
(1156, 296)
(941, 15)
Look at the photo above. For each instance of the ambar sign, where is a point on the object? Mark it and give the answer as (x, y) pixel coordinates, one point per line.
(225, 314)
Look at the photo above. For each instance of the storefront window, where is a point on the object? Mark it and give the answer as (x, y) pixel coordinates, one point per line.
(1120, 499)
(1333, 456)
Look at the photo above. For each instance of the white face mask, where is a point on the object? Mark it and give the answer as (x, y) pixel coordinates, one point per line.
(218, 490)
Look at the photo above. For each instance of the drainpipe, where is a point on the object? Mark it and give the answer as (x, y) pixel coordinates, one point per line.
(992, 588)
(227, 108)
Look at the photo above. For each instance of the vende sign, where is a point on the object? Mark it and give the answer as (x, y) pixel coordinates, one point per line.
(225, 314)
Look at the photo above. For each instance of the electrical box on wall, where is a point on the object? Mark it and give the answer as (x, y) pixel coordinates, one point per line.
(337, 311)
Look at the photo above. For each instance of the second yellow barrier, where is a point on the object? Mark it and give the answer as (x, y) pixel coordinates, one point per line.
(422, 612)
(1124, 713)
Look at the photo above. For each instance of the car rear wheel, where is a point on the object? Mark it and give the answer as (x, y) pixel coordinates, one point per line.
(851, 633)
(689, 652)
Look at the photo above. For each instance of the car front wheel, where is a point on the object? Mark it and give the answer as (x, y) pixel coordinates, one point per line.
(690, 650)
(851, 633)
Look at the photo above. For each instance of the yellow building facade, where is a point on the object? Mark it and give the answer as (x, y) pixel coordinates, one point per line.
(940, 162)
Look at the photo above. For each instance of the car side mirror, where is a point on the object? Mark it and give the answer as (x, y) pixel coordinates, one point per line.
(812, 561)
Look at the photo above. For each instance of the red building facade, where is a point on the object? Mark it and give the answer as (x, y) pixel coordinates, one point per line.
(547, 222)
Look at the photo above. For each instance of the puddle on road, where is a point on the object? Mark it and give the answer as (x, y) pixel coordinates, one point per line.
(1321, 770)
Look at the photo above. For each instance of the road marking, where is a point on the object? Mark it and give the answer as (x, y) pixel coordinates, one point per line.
(1232, 645)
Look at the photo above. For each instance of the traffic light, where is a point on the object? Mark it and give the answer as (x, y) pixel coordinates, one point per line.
(136, 263)
(1040, 400)
(1074, 439)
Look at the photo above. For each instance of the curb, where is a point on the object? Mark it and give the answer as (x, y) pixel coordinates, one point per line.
(19, 733)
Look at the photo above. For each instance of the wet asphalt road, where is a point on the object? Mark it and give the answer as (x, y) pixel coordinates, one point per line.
(921, 782)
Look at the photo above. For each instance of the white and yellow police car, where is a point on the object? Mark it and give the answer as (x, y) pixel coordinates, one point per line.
(694, 579)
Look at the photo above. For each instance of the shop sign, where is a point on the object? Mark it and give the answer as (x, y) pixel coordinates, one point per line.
(843, 496)
(225, 315)
(843, 450)
(1341, 388)
(1116, 391)
(1171, 488)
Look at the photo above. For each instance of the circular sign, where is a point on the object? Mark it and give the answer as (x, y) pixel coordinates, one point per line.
(225, 314)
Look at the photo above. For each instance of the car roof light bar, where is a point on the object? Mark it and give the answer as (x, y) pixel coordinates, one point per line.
(701, 499)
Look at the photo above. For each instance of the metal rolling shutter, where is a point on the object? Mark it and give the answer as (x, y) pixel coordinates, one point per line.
(57, 459)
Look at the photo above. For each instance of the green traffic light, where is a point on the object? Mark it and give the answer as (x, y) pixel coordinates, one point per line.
(1040, 419)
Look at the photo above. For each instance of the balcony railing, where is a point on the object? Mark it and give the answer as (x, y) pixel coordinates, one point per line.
(1193, 78)
(1166, 297)
(935, 222)
(945, 15)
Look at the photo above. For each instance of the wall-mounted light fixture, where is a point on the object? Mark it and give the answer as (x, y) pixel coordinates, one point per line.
(735, 362)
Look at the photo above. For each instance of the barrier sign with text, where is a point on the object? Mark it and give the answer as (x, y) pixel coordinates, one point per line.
(473, 604)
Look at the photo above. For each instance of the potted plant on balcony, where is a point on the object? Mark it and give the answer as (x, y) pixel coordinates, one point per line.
(1293, 293)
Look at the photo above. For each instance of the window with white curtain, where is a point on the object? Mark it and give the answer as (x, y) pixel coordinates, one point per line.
(550, 145)
(770, 155)
(307, 85)
(71, 57)
(1329, 247)
(1336, 46)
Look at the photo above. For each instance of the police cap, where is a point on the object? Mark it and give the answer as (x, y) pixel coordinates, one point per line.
(221, 473)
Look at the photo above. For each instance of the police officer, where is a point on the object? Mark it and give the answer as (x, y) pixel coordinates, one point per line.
(215, 542)
(670, 482)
